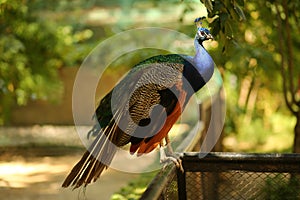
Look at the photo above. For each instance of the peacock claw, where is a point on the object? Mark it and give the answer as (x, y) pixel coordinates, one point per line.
(165, 160)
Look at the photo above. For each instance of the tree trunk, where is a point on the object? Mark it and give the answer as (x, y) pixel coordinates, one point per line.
(296, 148)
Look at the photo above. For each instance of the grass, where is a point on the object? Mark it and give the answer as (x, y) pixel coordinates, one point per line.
(279, 187)
(135, 188)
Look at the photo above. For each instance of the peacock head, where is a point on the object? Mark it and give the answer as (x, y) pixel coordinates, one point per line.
(202, 33)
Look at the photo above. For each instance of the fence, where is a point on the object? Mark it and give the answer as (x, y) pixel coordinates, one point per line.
(230, 176)
(226, 175)
(240, 176)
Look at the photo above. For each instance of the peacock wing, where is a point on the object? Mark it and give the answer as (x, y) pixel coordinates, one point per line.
(120, 113)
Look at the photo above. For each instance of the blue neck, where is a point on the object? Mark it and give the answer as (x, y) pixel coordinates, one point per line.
(203, 61)
(198, 69)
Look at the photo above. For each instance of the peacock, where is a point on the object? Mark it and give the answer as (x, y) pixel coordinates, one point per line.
(142, 108)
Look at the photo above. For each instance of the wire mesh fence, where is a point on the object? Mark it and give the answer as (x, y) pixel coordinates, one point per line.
(235, 176)
(242, 185)
(171, 191)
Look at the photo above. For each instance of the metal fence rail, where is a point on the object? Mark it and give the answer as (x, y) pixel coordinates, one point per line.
(233, 176)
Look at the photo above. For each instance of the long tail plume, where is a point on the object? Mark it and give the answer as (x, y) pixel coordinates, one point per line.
(97, 158)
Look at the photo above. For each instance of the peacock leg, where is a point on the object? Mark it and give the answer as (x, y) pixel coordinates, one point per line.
(169, 147)
(165, 159)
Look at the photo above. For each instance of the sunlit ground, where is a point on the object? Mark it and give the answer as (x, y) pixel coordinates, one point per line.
(25, 174)
(21, 174)
(41, 178)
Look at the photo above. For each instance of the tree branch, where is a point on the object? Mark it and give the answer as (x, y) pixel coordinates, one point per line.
(290, 56)
(281, 51)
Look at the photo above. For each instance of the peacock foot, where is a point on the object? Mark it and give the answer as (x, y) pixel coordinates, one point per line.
(166, 159)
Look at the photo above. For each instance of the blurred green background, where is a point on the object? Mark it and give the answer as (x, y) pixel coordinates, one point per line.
(43, 43)
(256, 49)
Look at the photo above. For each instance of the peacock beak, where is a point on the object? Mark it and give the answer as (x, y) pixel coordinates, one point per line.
(209, 36)
(204, 35)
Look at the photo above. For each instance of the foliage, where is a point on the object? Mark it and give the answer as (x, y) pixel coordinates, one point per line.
(35, 44)
(245, 50)
(287, 22)
(279, 187)
(135, 189)
(249, 38)
(32, 52)
(226, 16)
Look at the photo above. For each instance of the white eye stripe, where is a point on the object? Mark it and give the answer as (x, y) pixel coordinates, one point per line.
(202, 33)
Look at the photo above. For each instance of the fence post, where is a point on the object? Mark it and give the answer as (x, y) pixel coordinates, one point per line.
(181, 185)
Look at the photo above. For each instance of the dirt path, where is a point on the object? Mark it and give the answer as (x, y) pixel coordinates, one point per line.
(41, 178)
(34, 162)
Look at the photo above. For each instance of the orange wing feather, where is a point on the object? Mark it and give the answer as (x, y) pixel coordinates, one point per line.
(147, 147)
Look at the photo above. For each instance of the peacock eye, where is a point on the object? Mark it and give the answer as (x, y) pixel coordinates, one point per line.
(202, 33)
